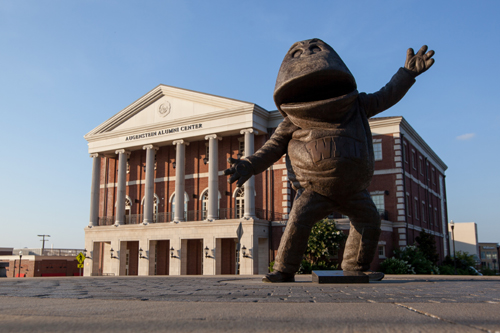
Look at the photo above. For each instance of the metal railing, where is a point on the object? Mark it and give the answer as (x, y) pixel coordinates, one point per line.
(194, 216)
(49, 252)
(224, 214)
(384, 215)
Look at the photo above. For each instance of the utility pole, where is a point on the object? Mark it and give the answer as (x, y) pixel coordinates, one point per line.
(43, 240)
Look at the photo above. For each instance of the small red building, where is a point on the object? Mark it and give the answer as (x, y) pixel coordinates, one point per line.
(54, 262)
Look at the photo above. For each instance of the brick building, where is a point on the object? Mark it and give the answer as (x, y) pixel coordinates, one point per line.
(33, 263)
(173, 140)
(489, 253)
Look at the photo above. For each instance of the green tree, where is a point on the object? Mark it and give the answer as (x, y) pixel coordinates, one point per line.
(427, 245)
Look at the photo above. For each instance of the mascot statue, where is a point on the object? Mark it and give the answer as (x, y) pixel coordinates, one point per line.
(327, 141)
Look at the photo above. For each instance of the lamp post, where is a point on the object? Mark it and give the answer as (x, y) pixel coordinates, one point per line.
(452, 225)
(20, 257)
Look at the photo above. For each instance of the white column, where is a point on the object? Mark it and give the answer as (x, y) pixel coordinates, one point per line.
(180, 173)
(122, 182)
(95, 189)
(213, 176)
(250, 184)
(150, 177)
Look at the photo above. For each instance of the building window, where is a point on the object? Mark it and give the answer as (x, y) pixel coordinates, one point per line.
(156, 200)
(381, 251)
(421, 165)
(423, 212)
(172, 205)
(240, 203)
(433, 175)
(207, 152)
(413, 159)
(408, 207)
(204, 205)
(378, 200)
(377, 150)
(241, 147)
(405, 151)
(128, 210)
(416, 208)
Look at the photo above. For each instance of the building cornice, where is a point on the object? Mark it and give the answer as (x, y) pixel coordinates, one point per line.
(223, 114)
(411, 135)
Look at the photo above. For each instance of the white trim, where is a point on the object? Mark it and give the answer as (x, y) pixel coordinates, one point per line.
(186, 197)
(388, 171)
(144, 198)
(206, 190)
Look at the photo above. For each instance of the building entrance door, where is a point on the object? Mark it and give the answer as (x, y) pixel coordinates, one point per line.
(162, 257)
(127, 261)
(132, 258)
(194, 262)
(228, 255)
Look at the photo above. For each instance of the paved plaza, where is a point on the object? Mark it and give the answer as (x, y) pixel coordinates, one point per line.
(410, 303)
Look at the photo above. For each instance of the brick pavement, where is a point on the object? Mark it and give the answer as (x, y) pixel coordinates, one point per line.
(422, 303)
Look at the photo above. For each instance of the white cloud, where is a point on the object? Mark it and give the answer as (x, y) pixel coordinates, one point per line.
(467, 136)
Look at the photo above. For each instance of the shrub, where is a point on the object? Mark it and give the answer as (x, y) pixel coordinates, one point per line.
(464, 261)
(488, 271)
(396, 266)
(416, 259)
(324, 241)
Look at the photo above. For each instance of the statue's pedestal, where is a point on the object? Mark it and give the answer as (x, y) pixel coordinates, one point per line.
(339, 277)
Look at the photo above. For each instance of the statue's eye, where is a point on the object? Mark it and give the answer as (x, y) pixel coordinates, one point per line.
(296, 54)
(315, 49)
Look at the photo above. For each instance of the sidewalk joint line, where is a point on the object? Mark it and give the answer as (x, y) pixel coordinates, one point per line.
(442, 319)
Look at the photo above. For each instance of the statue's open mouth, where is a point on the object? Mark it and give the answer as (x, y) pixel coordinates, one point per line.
(315, 86)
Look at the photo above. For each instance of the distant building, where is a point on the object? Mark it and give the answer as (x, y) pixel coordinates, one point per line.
(466, 238)
(489, 253)
(161, 205)
(30, 263)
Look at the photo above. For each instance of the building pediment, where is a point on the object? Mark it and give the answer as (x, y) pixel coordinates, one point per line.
(166, 104)
(168, 113)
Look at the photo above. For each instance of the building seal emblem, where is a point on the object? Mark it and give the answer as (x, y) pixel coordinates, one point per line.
(164, 109)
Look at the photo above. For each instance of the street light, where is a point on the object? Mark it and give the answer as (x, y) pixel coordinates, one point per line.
(452, 225)
(20, 257)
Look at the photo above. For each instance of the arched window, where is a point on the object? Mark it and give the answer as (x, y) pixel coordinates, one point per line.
(156, 201)
(204, 205)
(128, 209)
(172, 204)
(240, 202)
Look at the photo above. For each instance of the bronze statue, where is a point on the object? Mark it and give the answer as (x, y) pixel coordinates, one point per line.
(329, 152)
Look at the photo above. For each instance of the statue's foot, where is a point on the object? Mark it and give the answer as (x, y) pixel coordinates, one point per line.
(279, 277)
(374, 276)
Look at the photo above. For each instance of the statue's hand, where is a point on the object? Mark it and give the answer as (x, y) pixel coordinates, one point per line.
(241, 171)
(420, 62)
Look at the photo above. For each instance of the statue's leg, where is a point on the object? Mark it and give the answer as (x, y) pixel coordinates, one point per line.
(362, 243)
(308, 208)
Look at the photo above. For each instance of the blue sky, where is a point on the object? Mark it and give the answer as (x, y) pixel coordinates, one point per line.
(67, 66)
